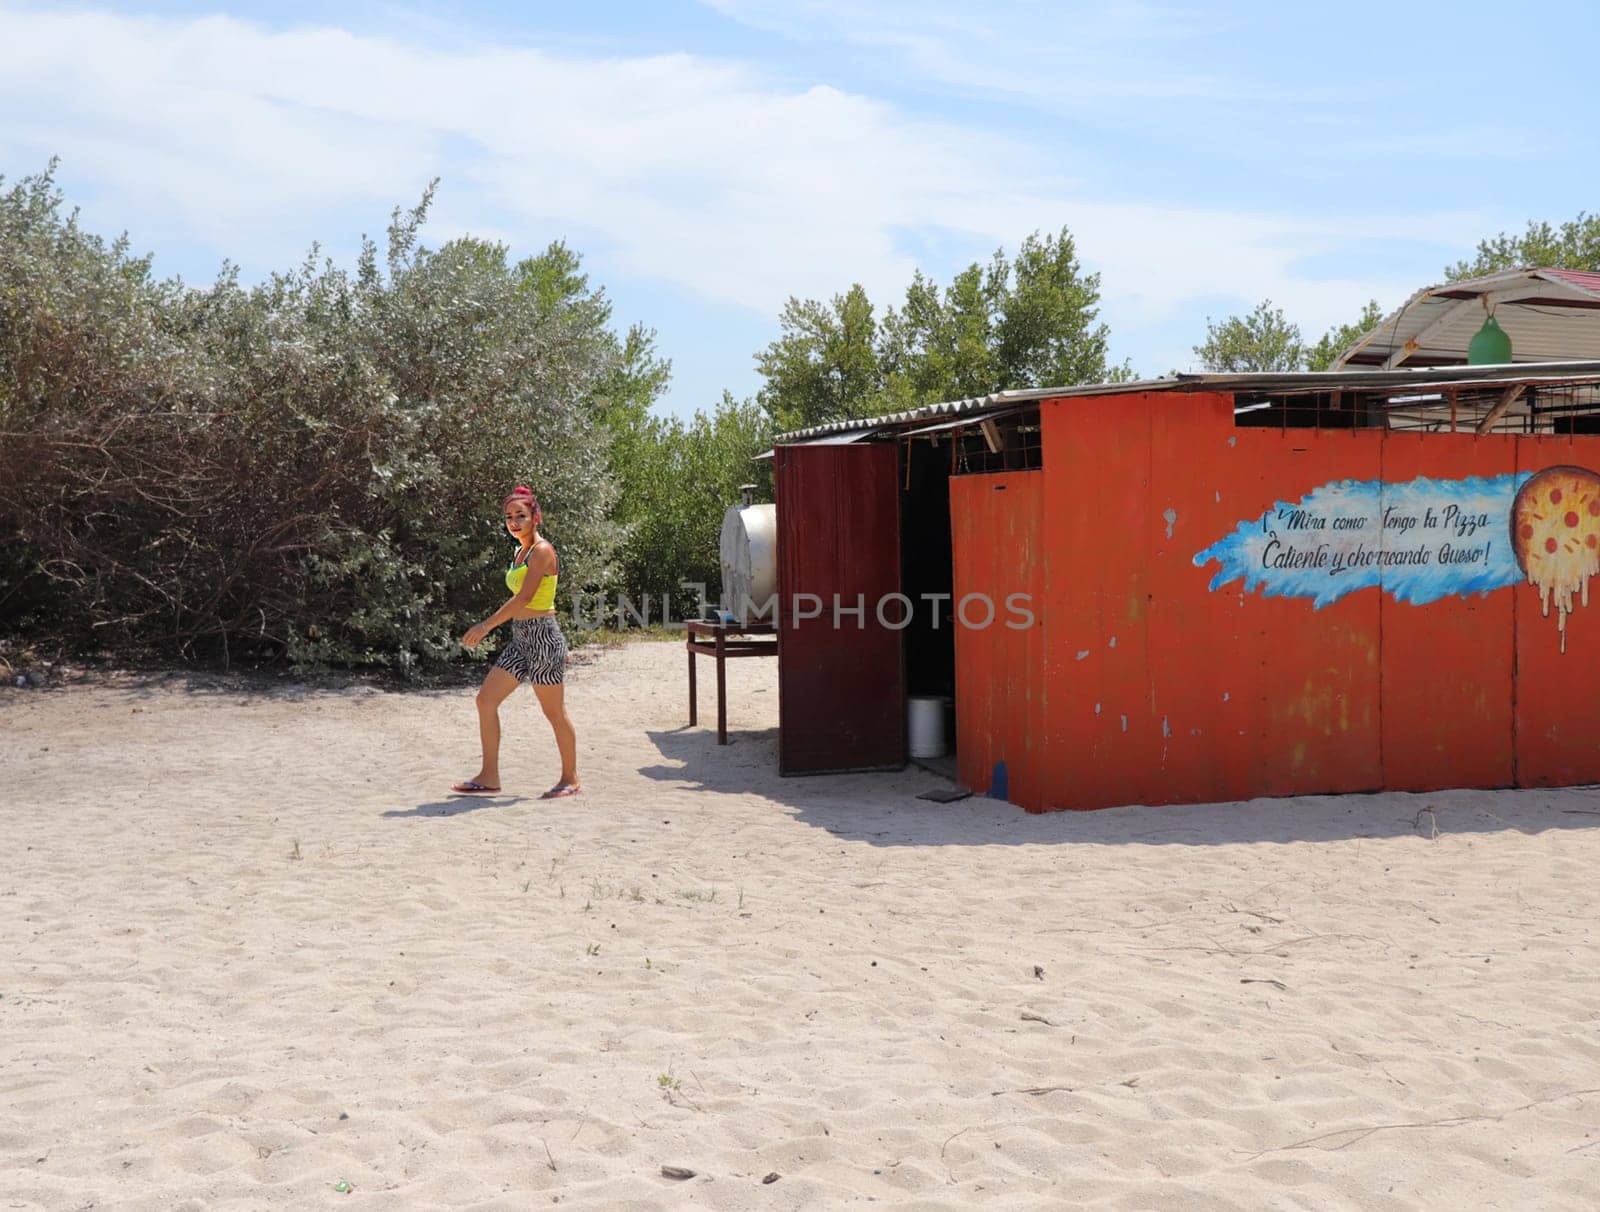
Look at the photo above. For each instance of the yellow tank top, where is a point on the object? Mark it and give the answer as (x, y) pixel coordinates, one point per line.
(544, 597)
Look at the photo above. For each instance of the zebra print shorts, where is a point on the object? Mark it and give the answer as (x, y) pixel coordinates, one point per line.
(537, 652)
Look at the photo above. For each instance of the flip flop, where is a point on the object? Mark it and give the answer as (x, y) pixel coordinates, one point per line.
(473, 787)
(561, 791)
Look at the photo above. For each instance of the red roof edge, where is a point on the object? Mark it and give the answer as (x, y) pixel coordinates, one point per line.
(1582, 279)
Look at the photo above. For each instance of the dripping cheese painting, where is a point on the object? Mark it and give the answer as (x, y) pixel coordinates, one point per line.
(1555, 533)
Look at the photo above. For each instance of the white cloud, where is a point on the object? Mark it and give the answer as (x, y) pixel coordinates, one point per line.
(1101, 54)
(694, 173)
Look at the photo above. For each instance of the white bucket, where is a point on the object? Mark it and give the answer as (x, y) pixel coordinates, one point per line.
(925, 725)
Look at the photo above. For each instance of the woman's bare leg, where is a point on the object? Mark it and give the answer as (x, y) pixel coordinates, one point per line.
(553, 700)
(491, 694)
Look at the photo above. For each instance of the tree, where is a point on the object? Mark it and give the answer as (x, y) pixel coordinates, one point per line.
(1047, 335)
(1572, 245)
(1263, 340)
(1340, 337)
(634, 377)
(825, 366)
(310, 467)
(917, 352)
(678, 479)
(1028, 322)
(941, 346)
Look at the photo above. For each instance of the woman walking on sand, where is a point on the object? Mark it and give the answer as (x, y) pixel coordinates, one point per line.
(537, 653)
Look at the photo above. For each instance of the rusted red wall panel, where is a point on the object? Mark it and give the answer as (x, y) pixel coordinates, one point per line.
(1320, 667)
(1098, 744)
(1158, 689)
(841, 688)
(1558, 693)
(995, 533)
(1214, 721)
(1448, 666)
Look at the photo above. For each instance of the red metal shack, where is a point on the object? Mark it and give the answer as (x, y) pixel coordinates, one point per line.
(1234, 586)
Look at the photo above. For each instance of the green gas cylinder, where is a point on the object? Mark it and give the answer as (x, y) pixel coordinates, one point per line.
(1490, 347)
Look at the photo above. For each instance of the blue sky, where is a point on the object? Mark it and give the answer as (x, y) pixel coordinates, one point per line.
(711, 159)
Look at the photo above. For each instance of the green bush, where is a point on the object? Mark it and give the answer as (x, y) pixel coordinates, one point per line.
(677, 480)
(309, 468)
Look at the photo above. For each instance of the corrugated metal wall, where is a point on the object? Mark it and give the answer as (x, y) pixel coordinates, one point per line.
(1148, 687)
(1557, 693)
(1449, 667)
(998, 547)
(841, 681)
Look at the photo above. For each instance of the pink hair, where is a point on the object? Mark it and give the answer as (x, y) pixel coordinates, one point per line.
(522, 493)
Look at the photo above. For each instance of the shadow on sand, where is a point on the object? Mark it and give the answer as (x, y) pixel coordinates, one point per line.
(246, 685)
(882, 809)
(458, 805)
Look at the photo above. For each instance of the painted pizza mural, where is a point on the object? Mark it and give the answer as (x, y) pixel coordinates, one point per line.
(1422, 540)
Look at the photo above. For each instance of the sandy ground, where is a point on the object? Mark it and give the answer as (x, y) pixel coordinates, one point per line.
(250, 950)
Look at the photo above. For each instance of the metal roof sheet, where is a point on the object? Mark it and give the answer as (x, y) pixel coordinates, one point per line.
(942, 426)
(1578, 277)
(1549, 314)
(1259, 383)
(927, 412)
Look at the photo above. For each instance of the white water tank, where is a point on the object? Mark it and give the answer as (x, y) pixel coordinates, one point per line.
(749, 559)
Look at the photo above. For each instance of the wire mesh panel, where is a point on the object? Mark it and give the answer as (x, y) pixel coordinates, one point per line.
(1515, 408)
(1009, 444)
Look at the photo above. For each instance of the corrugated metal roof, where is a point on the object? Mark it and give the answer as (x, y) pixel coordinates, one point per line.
(1258, 383)
(942, 426)
(1579, 277)
(1549, 314)
(950, 408)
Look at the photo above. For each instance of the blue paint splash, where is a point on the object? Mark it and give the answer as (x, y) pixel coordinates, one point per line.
(999, 788)
(1419, 541)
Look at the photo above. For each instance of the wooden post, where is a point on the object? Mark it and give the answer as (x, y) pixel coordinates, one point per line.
(1501, 406)
(694, 717)
(722, 689)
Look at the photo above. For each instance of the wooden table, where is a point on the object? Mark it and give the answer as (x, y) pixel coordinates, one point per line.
(722, 641)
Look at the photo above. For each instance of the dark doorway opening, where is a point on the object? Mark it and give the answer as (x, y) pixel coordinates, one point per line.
(927, 571)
